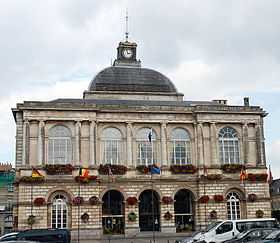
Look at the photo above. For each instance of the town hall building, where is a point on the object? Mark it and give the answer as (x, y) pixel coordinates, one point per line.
(87, 164)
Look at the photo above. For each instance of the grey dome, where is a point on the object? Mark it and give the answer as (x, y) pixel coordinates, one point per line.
(131, 79)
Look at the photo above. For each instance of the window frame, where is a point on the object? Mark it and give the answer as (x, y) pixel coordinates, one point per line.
(59, 146)
(229, 146)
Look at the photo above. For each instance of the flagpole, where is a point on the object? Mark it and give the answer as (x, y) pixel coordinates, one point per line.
(153, 211)
(79, 208)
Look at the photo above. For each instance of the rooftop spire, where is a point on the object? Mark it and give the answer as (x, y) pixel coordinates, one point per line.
(126, 26)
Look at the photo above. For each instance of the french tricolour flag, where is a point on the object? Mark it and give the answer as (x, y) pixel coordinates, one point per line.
(150, 135)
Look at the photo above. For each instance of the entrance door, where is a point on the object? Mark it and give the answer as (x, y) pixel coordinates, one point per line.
(149, 213)
(113, 213)
(183, 207)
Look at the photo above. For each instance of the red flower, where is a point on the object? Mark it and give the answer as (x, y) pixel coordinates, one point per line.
(131, 201)
(218, 198)
(252, 197)
(167, 200)
(203, 199)
(78, 200)
(39, 201)
(94, 200)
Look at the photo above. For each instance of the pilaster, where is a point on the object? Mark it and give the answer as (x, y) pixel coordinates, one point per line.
(163, 144)
(41, 132)
(92, 141)
(78, 143)
(129, 144)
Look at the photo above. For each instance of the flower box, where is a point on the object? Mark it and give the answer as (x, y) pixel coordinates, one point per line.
(252, 197)
(39, 201)
(85, 180)
(167, 215)
(143, 169)
(232, 168)
(214, 177)
(167, 200)
(132, 216)
(203, 199)
(183, 169)
(94, 200)
(257, 177)
(57, 169)
(131, 201)
(218, 198)
(30, 179)
(115, 169)
(78, 200)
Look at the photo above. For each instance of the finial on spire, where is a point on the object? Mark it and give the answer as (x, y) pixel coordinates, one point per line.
(126, 26)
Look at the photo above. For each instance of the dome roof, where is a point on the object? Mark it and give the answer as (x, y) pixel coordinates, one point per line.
(131, 79)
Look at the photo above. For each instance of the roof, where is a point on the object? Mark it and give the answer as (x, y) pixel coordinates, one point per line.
(132, 79)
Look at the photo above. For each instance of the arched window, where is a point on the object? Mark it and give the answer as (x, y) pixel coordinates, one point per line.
(229, 146)
(180, 147)
(59, 212)
(233, 206)
(146, 146)
(111, 140)
(59, 146)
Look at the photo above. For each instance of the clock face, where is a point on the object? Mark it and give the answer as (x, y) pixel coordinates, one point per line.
(127, 53)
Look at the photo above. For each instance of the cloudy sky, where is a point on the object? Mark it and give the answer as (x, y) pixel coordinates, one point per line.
(209, 49)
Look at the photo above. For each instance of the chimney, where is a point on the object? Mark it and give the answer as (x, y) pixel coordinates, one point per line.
(220, 102)
(246, 101)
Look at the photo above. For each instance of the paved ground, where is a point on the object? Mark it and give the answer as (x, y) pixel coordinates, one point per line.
(140, 238)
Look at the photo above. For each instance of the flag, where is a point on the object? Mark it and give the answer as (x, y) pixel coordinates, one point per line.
(84, 172)
(205, 170)
(155, 169)
(269, 175)
(150, 134)
(242, 175)
(110, 174)
(36, 173)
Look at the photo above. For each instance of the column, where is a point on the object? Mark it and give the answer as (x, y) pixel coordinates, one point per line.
(96, 144)
(263, 158)
(25, 146)
(200, 144)
(245, 143)
(92, 142)
(163, 144)
(195, 141)
(213, 140)
(77, 144)
(129, 144)
(260, 144)
(41, 132)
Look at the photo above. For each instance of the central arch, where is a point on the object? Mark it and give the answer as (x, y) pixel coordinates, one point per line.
(113, 212)
(149, 211)
(184, 210)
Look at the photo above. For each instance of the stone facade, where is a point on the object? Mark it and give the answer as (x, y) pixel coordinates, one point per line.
(86, 119)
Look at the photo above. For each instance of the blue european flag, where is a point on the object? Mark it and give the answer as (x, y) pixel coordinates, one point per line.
(155, 170)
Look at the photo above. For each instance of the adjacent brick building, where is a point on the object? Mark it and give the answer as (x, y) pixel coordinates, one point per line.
(132, 117)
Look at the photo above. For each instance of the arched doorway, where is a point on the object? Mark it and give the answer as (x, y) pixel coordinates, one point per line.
(113, 212)
(184, 210)
(149, 213)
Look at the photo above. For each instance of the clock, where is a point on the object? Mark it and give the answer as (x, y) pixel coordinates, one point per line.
(127, 53)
